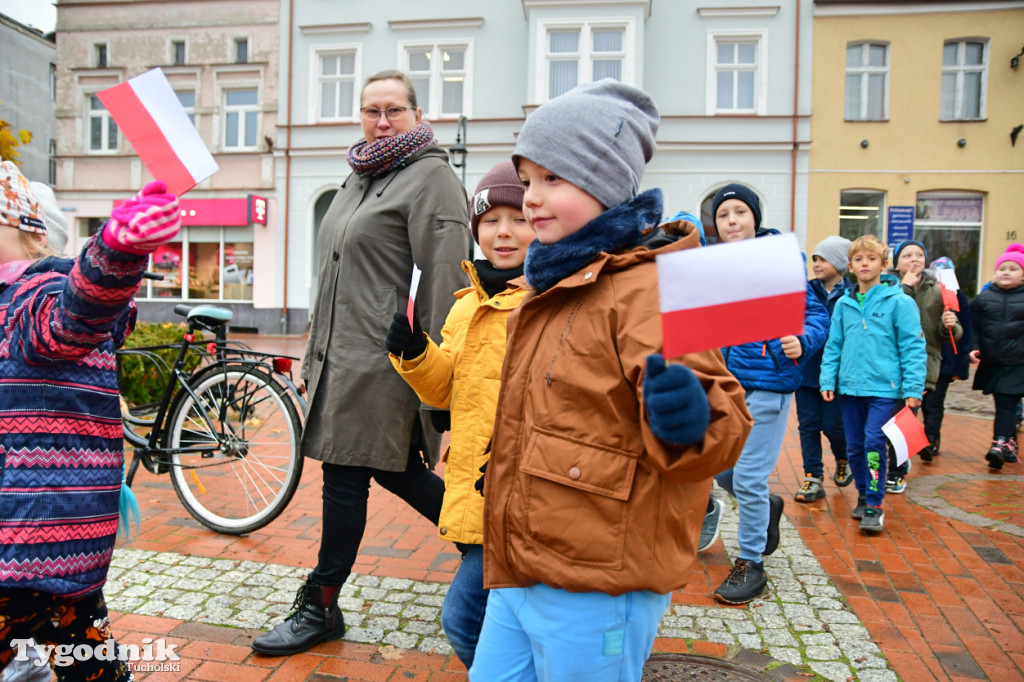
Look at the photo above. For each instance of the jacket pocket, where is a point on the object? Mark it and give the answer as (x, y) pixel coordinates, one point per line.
(577, 497)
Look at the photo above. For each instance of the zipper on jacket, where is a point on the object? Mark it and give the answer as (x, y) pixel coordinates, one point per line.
(864, 322)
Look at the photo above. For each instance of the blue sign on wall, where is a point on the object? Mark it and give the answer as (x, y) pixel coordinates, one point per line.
(901, 224)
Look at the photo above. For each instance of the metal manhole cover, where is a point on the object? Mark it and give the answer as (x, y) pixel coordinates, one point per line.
(675, 667)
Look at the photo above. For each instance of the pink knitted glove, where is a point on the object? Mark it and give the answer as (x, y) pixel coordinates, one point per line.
(144, 222)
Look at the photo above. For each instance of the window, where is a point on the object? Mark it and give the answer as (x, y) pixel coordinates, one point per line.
(218, 260)
(241, 50)
(102, 129)
(861, 212)
(584, 52)
(337, 85)
(867, 82)
(53, 82)
(949, 224)
(241, 118)
(188, 102)
(736, 82)
(178, 52)
(51, 169)
(963, 80)
(439, 75)
(100, 55)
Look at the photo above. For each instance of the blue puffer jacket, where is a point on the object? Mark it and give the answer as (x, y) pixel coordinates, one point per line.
(876, 351)
(763, 366)
(812, 366)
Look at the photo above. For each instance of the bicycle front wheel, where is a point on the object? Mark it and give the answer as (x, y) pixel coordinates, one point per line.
(247, 431)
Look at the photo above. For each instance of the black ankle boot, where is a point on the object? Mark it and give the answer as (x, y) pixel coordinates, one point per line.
(316, 618)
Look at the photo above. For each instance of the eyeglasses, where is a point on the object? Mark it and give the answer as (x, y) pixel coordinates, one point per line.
(373, 113)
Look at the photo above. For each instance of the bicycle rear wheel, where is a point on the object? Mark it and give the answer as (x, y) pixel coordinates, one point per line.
(250, 464)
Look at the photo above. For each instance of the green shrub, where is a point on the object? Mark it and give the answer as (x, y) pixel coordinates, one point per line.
(142, 378)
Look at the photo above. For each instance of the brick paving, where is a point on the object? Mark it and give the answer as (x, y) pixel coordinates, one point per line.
(937, 596)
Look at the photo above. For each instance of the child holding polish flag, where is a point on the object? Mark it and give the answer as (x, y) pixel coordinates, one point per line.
(875, 358)
(60, 416)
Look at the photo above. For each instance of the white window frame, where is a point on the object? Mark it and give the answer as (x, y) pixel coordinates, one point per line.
(171, 51)
(760, 39)
(864, 71)
(95, 56)
(105, 116)
(585, 57)
(241, 110)
(433, 111)
(959, 70)
(317, 53)
(233, 48)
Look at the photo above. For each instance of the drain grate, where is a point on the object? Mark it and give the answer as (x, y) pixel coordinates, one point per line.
(676, 667)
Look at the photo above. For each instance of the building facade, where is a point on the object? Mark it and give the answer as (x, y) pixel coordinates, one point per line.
(221, 58)
(732, 85)
(917, 111)
(28, 95)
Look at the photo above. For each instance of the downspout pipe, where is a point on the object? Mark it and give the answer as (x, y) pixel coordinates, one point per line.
(796, 113)
(288, 163)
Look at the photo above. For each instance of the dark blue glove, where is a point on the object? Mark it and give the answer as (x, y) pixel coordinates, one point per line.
(677, 406)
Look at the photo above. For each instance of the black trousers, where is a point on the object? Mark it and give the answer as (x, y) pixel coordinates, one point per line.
(1005, 424)
(933, 407)
(345, 494)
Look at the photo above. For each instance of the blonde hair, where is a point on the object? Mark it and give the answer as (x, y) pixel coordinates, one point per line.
(35, 245)
(871, 244)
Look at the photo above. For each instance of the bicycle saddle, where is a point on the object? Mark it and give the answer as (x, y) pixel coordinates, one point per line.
(206, 316)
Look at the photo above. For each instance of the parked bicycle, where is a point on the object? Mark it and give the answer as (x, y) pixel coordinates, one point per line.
(226, 430)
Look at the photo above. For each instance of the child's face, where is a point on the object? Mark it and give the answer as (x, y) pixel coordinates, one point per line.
(735, 221)
(823, 270)
(11, 245)
(867, 266)
(911, 260)
(554, 208)
(1009, 275)
(504, 235)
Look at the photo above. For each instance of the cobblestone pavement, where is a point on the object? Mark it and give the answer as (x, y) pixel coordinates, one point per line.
(803, 619)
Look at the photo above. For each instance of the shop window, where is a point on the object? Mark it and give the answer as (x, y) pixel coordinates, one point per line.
(218, 262)
(861, 212)
(167, 262)
(949, 224)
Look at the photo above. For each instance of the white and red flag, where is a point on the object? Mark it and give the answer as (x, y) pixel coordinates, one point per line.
(150, 115)
(414, 286)
(745, 291)
(906, 434)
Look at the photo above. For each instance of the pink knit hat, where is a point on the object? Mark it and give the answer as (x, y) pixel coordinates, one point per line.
(1015, 253)
(19, 208)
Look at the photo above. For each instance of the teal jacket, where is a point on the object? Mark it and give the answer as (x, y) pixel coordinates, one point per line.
(876, 351)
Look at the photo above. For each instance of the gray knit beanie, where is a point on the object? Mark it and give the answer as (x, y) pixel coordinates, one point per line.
(835, 250)
(598, 136)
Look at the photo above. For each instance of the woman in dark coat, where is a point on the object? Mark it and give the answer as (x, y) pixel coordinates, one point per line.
(401, 206)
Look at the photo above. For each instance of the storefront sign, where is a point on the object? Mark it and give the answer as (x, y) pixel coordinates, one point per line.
(257, 210)
(224, 212)
(949, 209)
(901, 224)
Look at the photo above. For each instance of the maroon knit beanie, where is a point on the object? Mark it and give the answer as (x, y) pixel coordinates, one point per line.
(500, 187)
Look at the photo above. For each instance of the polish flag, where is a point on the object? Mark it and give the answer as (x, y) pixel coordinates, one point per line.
(733, 293)
(150, 115)
(906, 434)
(414, 286)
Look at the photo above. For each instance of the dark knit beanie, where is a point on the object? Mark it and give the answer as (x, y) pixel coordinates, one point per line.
(737, 191)
(908, 242)
(500, 187)
(598, 136)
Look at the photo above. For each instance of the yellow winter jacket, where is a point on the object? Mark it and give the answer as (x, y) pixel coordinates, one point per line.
(463, 374)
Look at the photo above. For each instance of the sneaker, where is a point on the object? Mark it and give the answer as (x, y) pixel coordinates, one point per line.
(895, 484)
(746, 582)
(995, 454)
(709, 529)
(874, 519)
(775, 505)
(858, 511)
(811, 490)
(843, 476)
(1010, 451)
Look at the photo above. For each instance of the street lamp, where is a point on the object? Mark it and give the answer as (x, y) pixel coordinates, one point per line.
(457, 153)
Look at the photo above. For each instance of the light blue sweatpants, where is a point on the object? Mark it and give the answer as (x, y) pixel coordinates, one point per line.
(748, 480)
(551, 635)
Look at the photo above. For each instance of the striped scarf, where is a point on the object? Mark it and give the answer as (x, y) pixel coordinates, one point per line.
(385, 154)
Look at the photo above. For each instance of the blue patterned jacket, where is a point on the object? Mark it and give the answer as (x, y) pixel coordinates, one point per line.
(61, 447)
